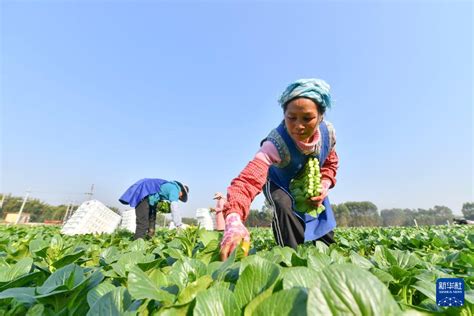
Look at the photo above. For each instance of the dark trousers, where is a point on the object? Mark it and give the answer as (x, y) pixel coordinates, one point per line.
(288, 228)
(146, 219)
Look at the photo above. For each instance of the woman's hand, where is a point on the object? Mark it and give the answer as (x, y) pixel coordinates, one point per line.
(234, 233)
(318, 200)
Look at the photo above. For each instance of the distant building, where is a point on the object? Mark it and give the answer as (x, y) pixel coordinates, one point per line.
(462, 221)
(53, 222)
(12, 217)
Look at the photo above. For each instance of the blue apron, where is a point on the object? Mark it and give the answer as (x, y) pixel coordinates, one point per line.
(140, 190)
(315, 227)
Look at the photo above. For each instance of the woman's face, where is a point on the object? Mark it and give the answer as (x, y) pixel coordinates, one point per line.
(301, 118)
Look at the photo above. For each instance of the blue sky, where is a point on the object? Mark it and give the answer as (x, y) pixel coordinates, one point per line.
(106, 93)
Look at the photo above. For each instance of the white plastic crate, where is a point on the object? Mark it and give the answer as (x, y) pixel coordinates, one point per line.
(92, 217)
(204, 218)
(129, 220)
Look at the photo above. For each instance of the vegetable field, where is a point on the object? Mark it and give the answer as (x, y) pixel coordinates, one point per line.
(371, 271)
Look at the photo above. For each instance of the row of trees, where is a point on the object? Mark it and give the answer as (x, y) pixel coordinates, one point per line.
(39, 211)
(348, 214)
(355, 214)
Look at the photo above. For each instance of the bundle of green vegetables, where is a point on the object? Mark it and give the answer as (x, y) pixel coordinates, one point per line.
(307, 185)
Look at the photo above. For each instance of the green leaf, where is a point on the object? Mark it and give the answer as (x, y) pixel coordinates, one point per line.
(187, 245)
(297, 261)
(257, 276)
(469, 240)
(212, 267)
(174, 253)
(400, 275)
(299, 277)
(38, 247)
(216, 301)
(23, 266)
(284, 302)
(142, 287)
(193, 288)
(65, 278)
(186, 271)
(439, 242)
(286, 254)
(145, 266)
(344, 242)
(219, 274)
(109, 256)
(22, 280)
(348, 289)
(322, 247)
(65, 295)
(71, 295)
(318, 261)
(250, 308)
(67, 259)
(56, 248)
(336, 257)
(176, 310)
(207, 236)
(114, 302)
(427, 276)
(158, 277)
(138, 245)
(467, 257)
(428, 306)
(77, 299)
(427, 288)
(56, 243)
(383, 276)
(405, 259)
(37, 310)
(21, 294)
(469, 296)
(209, 253)
(384, 257)
(360, 261)
(96, 293)
(129, 260)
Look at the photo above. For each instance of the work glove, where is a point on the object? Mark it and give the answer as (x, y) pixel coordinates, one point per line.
(318, 200)
(235, 233)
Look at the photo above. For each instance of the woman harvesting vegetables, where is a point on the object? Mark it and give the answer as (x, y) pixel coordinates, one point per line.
(295, 167)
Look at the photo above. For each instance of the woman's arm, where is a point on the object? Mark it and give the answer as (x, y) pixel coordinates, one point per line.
(245, 187)
(329, 168)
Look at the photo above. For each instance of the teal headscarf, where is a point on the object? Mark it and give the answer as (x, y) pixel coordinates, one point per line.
(314, 89)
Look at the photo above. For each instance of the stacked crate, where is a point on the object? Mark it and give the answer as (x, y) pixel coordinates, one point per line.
(129, 220)
(92, 217)
(204, 218)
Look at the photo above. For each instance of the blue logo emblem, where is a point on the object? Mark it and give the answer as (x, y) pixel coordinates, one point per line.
(450, 292)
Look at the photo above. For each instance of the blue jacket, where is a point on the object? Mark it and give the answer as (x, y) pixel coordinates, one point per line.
(140, 190)
(169, 191)
(292, 161)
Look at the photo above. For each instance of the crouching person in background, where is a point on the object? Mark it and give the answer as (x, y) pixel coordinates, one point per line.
(144, 196)
(220, 201)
